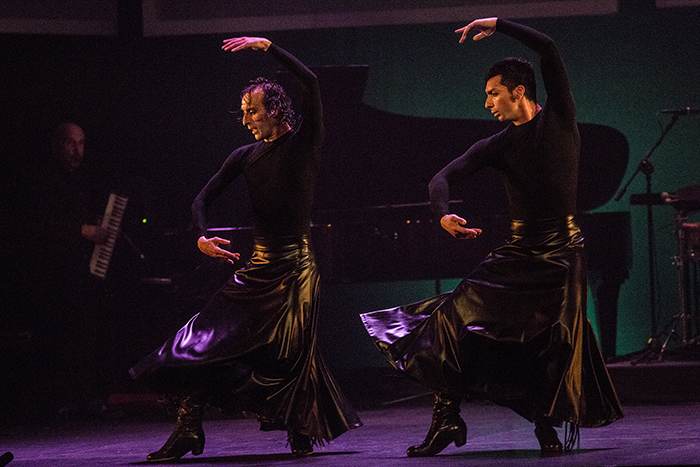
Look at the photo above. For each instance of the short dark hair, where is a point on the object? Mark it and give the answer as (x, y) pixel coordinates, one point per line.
(514, 72)
(275, 99)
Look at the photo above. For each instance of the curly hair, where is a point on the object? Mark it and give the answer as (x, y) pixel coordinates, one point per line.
(275, 99)
(514, 72)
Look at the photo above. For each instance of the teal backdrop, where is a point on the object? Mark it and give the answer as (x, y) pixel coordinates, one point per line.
(624, 68)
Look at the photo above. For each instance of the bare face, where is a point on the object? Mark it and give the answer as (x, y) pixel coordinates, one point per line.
(256, 118)
(500, 101)
(71, 146)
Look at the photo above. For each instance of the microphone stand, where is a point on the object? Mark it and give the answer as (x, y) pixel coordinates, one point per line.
(646, 167)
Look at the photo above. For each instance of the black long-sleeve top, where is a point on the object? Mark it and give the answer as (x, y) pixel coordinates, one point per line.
(62, 203)
(281, 174)
(538, 160)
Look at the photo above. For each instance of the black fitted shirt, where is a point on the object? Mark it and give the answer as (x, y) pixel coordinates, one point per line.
(280, 175)
(538, 160)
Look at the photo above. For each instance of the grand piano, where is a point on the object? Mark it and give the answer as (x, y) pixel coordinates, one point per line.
(372, 221)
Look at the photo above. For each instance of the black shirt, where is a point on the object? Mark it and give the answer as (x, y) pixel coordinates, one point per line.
(537, 160)
(281, 174)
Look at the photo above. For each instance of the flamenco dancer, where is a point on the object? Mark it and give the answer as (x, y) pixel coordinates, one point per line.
(253, 346)
(515, 330)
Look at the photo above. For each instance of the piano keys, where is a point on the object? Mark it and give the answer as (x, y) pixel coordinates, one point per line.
(111, 221)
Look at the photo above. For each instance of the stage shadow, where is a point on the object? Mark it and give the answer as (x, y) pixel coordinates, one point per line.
(517, 454)
(246, 458)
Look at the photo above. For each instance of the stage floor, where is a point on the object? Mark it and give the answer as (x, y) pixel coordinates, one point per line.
(650, 434)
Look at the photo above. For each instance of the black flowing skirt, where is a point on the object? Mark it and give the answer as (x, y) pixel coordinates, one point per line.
(514, 331)
(254, 347)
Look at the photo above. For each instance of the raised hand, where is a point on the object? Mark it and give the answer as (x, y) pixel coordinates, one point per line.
(235, 44)
(485, 26)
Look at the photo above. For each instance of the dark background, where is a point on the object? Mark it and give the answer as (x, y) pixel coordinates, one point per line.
(155, 112)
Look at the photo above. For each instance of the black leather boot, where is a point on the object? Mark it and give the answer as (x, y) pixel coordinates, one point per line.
(447, 427)
(187, 436)
(299, 444)
(547, 436)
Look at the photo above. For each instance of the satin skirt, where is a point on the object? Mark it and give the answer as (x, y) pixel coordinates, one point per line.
(254, 347)
(514, 331)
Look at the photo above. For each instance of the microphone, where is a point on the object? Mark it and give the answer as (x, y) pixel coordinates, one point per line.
(682, 111)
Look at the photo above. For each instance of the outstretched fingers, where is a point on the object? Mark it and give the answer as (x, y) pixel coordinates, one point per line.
(235, 44)
(485, 26)
(465, 31)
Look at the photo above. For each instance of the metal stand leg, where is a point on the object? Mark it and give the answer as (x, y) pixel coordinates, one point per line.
(683, 320)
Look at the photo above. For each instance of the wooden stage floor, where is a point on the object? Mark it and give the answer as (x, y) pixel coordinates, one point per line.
(650, 434)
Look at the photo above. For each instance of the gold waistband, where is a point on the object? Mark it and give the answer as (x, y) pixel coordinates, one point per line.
(565, 224)
(281, 243)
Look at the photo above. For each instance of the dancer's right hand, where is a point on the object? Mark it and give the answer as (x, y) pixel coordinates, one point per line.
(210, 247)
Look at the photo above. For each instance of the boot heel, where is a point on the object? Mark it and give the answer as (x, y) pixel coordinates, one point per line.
(548, 439)
(188, 435)
(198, 448)
(461, 439)
(446, 428)
(299, 444)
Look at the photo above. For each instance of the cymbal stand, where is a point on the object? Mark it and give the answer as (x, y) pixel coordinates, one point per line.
(681, 261)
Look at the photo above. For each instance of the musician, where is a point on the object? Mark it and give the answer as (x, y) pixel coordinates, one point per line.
(74, 178)
(69, 199)
(254, 345)
(515, 330)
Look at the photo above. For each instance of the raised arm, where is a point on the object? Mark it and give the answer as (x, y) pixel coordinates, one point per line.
(311, 106)
(287, 60)
(554, 75)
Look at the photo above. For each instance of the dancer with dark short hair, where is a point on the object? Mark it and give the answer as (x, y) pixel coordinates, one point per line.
(515, 330)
